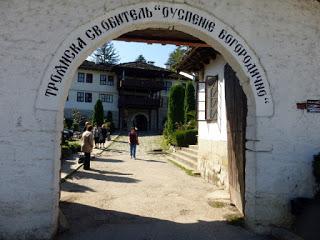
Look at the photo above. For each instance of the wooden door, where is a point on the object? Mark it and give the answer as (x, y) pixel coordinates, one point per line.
(236, 105)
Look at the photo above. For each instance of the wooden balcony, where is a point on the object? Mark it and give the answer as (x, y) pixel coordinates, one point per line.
(129, 101)
(141, 85)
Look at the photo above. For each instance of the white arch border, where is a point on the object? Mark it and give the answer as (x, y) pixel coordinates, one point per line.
(58, 76)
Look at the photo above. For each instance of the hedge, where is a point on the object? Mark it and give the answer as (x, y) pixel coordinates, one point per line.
(184, 138)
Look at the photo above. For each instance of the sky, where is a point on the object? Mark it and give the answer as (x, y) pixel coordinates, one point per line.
(129, 51)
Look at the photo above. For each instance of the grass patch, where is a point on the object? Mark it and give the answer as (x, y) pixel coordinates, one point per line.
(216, 204)
(164, 144)
(234, 219)
(187, 171)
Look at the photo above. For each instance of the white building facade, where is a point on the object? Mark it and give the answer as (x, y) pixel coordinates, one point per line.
(91, 83)
(100, 81)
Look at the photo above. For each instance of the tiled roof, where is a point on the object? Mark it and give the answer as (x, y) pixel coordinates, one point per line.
(142, 65)
(88, 65)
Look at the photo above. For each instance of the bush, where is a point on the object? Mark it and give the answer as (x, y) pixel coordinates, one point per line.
(70, 147)
(75, 147)
(184, 138)
(68, 123)
(175, 107)
(98, 113)
(316, 174)
(189, 102)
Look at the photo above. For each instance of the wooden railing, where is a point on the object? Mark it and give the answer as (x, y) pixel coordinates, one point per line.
(139, 101)
(153, 85)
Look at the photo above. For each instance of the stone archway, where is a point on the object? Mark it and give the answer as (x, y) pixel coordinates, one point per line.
(140, 121)
(81, 42)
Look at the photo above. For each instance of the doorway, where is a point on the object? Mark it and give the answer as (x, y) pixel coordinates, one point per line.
(141, 122)
(236, 105)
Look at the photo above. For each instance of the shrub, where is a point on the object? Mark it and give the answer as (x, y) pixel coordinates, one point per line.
(68, 123)
(184, 138)
(98, 113)
(175, 107)
(189, 102)
(316, 174)
(75, 147)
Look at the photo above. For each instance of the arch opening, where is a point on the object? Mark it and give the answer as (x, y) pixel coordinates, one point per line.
(74, 50)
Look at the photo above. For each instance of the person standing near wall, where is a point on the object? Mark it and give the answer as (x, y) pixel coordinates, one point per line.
(133, 141)
(87, 146)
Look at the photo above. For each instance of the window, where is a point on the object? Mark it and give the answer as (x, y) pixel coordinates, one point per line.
(103, 79)
(81, 77)
(211, 98)
(110, 80)
(89, 78)
(108, 98)
(167, 85)
(80, 96)
(88, 97)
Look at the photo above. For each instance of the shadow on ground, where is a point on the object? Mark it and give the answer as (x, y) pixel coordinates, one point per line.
(93, 223)
(101, 177)
(73, 187)
(108, 160)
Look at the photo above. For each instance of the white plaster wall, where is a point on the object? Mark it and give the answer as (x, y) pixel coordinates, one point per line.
(216, 131)
(283, 34)
(95, 88)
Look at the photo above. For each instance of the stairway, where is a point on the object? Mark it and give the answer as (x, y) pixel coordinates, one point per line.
(187, 157)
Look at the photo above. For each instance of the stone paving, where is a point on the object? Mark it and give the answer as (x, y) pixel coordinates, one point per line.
(144, 199)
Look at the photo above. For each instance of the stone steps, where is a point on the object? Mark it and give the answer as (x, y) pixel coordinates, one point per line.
(188, 152)
(186, 157)
(194, 147)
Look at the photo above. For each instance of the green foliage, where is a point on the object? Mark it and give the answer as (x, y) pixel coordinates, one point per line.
(70, 147)
(141, 58)
(175, 57)
(98, 113)
(106, 54)
(235, 219)
(68, 123)
(189, 102)
(175, 107)
(184, 138)
(76, 119)
(316, 174)
(74, 146)
(109, 121)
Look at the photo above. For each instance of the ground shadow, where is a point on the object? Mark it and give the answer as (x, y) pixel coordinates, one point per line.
(109, 178)
(73, 187)
(88, 222)
(68, 163)
(108, 160)
(149, 161)
(109, 172)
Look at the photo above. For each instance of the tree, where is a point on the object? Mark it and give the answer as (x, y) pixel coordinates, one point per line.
(98, 113)
(175, 108)
(106, 54)
(175, 57)
(76, 119)
(189, 102)
(141, 58)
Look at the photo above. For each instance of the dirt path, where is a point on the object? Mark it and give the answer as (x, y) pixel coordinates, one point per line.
(143, 199)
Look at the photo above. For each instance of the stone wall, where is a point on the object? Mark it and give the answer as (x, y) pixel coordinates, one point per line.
(283, 36)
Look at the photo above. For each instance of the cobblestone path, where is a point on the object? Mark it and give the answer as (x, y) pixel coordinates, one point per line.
(143, 199)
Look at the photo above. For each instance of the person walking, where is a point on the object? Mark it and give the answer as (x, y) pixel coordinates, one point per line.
(103, 136)
(133, 141)
(96, 135)
(87, 146)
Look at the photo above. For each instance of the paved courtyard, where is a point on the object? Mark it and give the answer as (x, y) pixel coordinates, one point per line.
(144, 199)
